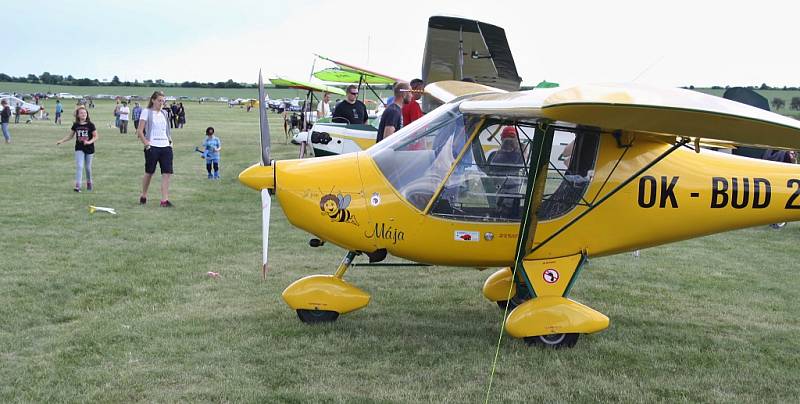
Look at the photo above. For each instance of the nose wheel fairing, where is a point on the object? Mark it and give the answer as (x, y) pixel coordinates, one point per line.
(325, 293)
(321, 298)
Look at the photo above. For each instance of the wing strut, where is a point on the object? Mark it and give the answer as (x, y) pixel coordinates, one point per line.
(537, 175)
(680, 143)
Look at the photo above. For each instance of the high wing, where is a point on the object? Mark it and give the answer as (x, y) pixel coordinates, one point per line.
(446, 91)
(667, 112)
(303, 85)
(338, 75)
(360, 71)
(676, 115)
(458, 48)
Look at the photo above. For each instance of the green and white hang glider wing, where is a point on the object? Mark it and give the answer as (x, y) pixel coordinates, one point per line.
(349, 73)
(304, 85)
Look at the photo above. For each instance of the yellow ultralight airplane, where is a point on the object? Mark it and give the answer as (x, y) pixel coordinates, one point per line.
(429, 194)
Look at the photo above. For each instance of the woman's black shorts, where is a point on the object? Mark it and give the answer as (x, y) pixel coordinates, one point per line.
(160, 155)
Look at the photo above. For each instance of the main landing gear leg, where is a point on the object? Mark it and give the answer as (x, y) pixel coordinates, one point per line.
(322, 298)
(550, 318)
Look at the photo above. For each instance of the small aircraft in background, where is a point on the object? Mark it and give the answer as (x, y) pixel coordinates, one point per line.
(329, 137)
(238, 101)
(489, 61)
(26, 108)
(455, 49)
(308, 116)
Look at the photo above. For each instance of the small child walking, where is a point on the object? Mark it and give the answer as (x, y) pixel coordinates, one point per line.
(85, 135)
(211, 147)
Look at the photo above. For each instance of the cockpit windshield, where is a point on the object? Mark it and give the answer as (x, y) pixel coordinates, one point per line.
(475, 168)
(417, 159)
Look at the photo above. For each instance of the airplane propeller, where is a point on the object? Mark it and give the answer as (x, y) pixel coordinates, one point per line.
(266, 201)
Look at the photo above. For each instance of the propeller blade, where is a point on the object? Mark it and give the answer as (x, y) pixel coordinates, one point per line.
(266, 204)
(262, 117)
(266, 201)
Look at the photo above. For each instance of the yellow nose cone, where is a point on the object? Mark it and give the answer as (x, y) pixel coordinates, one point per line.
(258, 177)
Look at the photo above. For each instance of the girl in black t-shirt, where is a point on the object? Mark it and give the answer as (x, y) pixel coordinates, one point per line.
(85, 136)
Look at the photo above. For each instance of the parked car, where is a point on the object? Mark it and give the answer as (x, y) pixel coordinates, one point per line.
(67, 96)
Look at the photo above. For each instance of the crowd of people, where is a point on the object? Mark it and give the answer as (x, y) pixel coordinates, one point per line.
(402, 108)
(153, 125)
(176, 115)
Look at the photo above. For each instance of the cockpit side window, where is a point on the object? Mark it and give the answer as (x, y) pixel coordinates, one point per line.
(489, 182)
(486, 179)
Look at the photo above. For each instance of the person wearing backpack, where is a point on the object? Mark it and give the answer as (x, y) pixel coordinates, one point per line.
(154, 133)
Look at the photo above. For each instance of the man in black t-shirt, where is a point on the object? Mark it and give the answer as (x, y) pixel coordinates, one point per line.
(351, 110)
(392, 118)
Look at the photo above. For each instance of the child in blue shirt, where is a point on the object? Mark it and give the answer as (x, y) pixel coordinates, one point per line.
(211, 147)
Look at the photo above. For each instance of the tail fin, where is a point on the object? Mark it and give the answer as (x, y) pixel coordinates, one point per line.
(458, 48)
(752, 98)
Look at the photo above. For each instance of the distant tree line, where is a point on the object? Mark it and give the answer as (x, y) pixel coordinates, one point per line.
(763, 86)
(779, 103)
(69, 80)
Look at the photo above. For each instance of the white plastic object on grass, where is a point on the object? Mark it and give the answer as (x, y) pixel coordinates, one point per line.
(93, 209)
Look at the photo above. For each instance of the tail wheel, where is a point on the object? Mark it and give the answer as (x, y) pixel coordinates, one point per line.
(554, 340)
(317, 316)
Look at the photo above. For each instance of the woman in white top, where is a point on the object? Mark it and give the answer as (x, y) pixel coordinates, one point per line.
(124, 112)
(154, 133)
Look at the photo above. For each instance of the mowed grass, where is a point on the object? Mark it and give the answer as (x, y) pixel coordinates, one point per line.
(95, 307)
(231, 93)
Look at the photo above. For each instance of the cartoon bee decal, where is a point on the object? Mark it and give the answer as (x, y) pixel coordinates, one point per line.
(335, 207)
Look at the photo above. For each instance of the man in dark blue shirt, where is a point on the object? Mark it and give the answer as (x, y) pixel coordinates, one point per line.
(392, 118)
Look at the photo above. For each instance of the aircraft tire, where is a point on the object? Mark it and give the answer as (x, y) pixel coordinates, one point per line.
(317, 316)
(555, 341)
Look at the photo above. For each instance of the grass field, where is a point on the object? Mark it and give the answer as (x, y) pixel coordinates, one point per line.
(231, 93)
(275, 93)
(95, 307)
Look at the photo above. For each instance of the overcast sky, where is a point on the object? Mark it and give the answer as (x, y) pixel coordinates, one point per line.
(669, 43)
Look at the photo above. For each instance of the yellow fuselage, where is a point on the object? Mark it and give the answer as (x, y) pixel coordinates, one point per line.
(686, 195)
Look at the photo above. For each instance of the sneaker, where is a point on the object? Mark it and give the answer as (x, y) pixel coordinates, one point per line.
(142, 200)
(89, 186)
(216, 176)
(167, 204)
(77, 189)
(210, 176)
